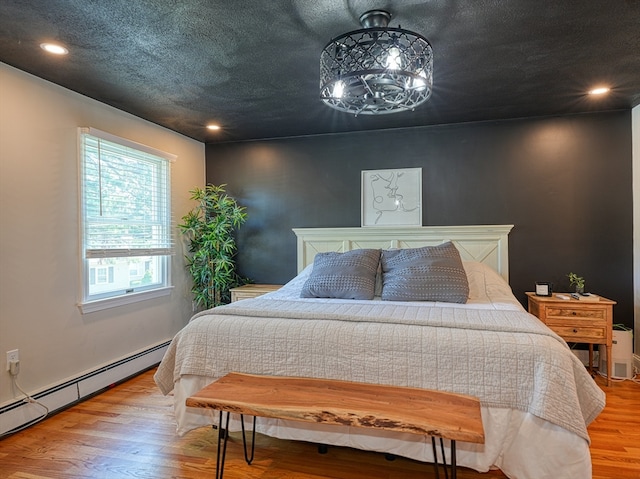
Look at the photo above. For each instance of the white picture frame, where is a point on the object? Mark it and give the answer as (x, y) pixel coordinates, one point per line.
(392, 197)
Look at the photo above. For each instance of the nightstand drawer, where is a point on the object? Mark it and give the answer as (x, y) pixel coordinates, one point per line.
(576, 323)
(249, 291)
(578, 334)
(237, 296)
(570, 312)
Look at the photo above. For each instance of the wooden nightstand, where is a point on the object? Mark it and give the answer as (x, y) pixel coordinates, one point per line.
(577, 321)
(252, 291)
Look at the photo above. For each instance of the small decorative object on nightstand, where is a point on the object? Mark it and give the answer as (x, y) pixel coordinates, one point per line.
(577, 281)
(252, 291)
(577, 321)
(544, 288)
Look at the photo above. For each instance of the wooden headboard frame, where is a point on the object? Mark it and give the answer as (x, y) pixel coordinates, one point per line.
(486, 244)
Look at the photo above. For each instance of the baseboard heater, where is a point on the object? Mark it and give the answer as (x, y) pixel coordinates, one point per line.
(18, 413)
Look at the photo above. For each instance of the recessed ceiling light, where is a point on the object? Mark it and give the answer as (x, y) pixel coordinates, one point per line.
(54, 48)
(599, 91)
(213, 127)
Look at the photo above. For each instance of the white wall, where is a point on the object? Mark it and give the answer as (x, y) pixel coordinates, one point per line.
(635, 129)
(39, 261)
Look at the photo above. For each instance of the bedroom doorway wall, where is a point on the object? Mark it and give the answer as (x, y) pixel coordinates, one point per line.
(635, 127)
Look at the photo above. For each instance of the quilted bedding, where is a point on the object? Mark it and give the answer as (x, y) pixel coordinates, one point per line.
(506, 358)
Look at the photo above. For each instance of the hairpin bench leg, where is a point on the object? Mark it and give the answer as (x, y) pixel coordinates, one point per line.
(244, 440)
(223, 435)
(454, 474)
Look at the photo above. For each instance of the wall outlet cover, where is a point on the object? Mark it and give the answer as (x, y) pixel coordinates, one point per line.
(13, 355)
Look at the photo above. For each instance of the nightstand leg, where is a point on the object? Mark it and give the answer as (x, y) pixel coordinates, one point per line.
(591, 359)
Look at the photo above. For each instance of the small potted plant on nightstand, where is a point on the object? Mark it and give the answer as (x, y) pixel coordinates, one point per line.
(577, 281)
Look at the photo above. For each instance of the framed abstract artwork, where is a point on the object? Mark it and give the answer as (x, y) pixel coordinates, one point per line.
(392, 197)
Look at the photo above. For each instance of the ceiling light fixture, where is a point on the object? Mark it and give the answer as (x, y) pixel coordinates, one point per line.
(376, 69)
(54, 48)
(213, 127)
(599, 91)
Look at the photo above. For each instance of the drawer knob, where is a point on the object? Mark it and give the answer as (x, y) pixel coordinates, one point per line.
(575, 330)
(574, 313)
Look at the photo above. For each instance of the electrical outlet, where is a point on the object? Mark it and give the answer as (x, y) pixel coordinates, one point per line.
(13, 355)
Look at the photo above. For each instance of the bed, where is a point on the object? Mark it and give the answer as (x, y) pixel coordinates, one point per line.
(537, 398)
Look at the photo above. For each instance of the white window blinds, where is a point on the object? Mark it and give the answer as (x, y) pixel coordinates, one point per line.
(125, 196)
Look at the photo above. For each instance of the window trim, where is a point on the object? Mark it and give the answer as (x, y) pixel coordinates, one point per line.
(127, 297)
(122, 300)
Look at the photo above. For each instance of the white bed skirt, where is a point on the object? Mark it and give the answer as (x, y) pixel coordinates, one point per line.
(550, 452)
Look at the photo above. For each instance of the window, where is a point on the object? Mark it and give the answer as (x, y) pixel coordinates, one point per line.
(125, 221)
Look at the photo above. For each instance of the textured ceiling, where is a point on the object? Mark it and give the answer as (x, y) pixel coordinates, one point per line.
(253, 66)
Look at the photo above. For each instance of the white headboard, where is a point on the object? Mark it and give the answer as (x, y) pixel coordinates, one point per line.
(486, 244)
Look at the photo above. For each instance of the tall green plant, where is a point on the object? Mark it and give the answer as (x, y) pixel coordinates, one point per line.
(209, 228)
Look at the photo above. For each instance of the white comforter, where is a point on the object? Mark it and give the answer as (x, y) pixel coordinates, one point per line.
(506, 358)
(486, 348)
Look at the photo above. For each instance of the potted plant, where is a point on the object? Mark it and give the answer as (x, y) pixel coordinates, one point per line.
(577, 281)
(209, 228)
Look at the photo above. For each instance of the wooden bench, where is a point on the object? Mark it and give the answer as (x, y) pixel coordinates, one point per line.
(426, 412)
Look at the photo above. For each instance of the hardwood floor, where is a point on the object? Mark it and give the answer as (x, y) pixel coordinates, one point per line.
(128, 432)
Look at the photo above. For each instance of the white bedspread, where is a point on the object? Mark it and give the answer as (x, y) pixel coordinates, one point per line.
(506, 358)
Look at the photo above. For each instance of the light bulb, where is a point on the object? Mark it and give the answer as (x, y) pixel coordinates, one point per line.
(393, 59)
(54, 48)
(599, 91)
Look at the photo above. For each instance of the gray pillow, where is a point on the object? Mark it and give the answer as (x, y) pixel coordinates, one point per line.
(349, 275)
(430, 273)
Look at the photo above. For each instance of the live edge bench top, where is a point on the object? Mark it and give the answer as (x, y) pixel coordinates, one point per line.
(394, 408)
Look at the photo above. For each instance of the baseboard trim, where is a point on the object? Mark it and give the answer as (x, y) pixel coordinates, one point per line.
(17, 414)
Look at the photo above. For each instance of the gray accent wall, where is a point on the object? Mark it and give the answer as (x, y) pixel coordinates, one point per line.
(564, 182)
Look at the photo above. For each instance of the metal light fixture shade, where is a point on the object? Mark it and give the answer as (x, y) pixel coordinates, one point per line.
(377, 69)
